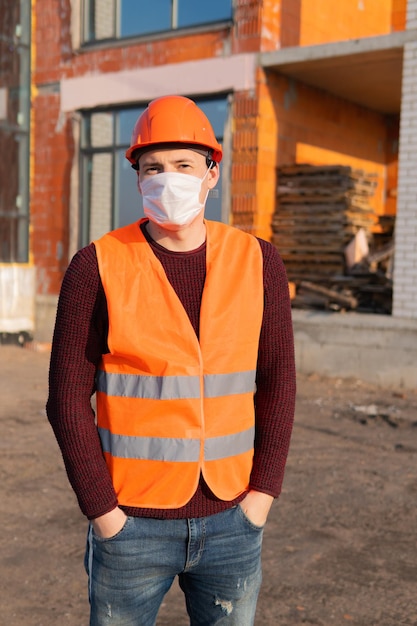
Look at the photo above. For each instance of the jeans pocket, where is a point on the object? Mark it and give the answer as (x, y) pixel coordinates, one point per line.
(248, 521)
(118, 535)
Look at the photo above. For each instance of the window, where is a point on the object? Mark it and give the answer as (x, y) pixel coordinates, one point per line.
(110, 197)
(115, 19)
(14, 131)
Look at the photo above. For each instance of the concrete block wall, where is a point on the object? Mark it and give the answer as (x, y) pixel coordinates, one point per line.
(405, 269)
(376, 348)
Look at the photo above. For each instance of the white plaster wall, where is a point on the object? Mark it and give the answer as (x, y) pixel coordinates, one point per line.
(17, 298)
(234, 73)
(405, 270)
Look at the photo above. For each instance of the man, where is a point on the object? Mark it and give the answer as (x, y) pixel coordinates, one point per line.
(182, 327)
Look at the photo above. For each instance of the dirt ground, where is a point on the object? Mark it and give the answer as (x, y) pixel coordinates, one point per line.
(340, 545)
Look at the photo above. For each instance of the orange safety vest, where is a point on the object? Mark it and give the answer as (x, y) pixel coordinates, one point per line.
(170, 405)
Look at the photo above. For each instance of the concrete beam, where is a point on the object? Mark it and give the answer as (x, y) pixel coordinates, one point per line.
(367, 72)
(338, 49)
(375, 348)
(206, 76)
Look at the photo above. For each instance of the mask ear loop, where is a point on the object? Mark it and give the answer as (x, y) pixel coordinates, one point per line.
(210, 164)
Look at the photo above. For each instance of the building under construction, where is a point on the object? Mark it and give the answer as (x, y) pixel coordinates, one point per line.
(294, 89)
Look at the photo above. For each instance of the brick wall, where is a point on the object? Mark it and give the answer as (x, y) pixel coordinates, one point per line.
(50, 191)
(51, 134)
(405, 271)
(244, 160)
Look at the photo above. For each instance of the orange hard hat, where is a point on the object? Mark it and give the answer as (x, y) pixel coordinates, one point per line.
(173, 119)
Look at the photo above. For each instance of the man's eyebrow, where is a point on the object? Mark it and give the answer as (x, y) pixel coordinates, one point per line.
(152, 161)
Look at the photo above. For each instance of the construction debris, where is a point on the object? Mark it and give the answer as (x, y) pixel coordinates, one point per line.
(337, 251)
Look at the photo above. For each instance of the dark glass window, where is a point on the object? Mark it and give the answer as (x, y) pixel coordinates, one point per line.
(191, 13)
(14, 130)
(134, 21)
(113, 19)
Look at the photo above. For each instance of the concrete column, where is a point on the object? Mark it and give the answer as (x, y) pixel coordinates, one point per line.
(405, 270)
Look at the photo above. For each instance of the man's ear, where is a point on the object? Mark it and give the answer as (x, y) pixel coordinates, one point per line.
(213, 175)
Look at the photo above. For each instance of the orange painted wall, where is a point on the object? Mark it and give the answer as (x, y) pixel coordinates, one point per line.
(298, 124)
(311, 22)
(399, 14)
(323, 21)
(290, 23)
(271, 25)
(393, 132)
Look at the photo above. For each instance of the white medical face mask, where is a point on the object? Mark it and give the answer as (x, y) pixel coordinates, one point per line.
(171, 198)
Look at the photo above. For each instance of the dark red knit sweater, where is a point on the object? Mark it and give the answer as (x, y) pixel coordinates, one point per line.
(80, 338)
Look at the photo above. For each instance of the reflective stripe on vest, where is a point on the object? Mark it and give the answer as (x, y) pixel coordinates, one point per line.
(174, 387)
(171, 406)
(177, 450)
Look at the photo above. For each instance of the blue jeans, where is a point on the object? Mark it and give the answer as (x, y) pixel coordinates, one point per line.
(217, 560)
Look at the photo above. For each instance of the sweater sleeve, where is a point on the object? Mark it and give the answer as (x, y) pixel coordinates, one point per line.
(76, 351)
(276, 379)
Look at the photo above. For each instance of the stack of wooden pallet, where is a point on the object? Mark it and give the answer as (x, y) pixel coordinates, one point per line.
(319, 210)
